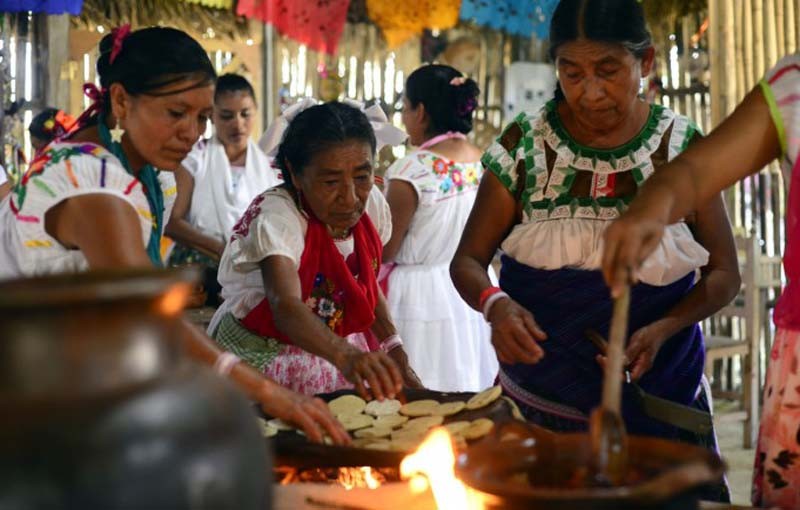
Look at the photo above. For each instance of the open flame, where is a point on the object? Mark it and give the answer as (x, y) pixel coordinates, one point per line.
(433, 464)
(361, 477)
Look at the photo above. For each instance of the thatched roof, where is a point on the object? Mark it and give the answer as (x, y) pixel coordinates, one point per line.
(187, 16)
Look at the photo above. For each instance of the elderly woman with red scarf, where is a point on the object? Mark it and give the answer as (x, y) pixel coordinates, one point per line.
(299, 273)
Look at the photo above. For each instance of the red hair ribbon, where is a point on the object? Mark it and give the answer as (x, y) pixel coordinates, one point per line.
(119, 34)
(97, 96)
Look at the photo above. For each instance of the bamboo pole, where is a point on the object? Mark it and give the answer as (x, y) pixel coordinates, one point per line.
(759, 61)
(714, 50)
(792, 17)
(780, 16)
(741, 81)
(770, 29)
(729, 55)
(748, 43)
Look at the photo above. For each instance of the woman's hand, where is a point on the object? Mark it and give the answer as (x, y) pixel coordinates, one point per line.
(515, 333)
(376, 369)
(642, 349)
(309, 413)
(410, 378)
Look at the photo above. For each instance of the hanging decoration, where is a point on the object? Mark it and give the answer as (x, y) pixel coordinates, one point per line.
(402, 20)
(527, 19)
(214, 4)
(316, 23)
(72, 7)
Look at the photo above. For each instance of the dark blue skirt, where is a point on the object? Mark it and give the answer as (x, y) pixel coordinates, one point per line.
(566, 303)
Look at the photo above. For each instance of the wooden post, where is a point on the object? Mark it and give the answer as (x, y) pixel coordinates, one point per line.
(57, 40)
(729, 55)
(792, 18)
(714, 52)
(780, 22)
(770, 29)
(741, 81)
(759, 61)
(748, 43)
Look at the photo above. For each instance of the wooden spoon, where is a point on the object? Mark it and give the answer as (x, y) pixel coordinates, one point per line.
(607, 435)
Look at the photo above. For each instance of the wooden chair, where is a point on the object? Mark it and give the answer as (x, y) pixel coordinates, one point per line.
(736, 332)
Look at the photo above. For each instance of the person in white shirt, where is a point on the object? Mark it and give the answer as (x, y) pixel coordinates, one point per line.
(431, 192)
(218, 180)
(5, 187)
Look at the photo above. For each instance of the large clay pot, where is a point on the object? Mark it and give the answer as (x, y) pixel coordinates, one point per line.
(101, 409)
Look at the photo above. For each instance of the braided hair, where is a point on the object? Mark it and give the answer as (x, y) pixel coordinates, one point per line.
(449, 98)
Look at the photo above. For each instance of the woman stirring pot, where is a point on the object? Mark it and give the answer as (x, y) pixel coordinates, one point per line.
(555, 181)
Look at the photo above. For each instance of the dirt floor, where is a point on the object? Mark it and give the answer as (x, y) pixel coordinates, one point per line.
(739, 460)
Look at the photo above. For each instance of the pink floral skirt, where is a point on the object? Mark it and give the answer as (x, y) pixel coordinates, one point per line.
(776, 479)
(307, 373)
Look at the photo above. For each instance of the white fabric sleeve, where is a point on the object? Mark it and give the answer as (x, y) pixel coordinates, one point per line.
(275, 227)
(378, 210)
(192, 161)
(71, 170)
(781, 88)
(3, 177)
(408, 169)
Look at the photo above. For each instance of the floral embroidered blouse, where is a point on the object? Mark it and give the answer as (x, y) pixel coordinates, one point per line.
(445, 194)
(62, 171)
(276, 226)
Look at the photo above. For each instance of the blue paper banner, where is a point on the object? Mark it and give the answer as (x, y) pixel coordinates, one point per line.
(46, 6)
(520, 17)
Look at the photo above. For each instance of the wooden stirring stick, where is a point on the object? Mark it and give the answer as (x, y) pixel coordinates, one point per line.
(609, 441)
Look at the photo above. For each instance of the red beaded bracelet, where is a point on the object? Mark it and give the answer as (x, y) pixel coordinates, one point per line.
(486, 294)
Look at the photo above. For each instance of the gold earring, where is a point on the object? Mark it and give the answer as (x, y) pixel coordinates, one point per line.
(116, 133)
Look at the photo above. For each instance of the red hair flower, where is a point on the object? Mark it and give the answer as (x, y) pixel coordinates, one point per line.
(119, 34)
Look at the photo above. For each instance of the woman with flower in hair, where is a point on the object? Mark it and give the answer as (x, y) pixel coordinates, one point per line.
(47, 125)
(430, 193)
(99, 198)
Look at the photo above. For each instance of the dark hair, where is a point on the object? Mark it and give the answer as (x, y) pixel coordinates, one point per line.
(233, 83)
(449, 106)
(152, 58)
(39, 125)
(316, 129)
(614, 21)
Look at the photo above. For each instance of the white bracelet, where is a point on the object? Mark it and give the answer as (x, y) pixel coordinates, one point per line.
(487, 306)
(391, 342)
(225, 363)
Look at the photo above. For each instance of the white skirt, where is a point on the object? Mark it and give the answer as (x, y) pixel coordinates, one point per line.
(448, 343)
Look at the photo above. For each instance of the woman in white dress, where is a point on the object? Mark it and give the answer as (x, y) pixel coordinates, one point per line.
(217, 181)
(5, 187)
(431, 192)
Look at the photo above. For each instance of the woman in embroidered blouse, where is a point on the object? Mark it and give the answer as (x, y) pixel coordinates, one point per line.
(556, 178)
(97, 201)
(299, 276)
(430, 193)
(764, 127)
(217, 181)
(47, 125)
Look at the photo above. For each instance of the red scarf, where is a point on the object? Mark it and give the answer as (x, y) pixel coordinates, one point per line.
(346, 303)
